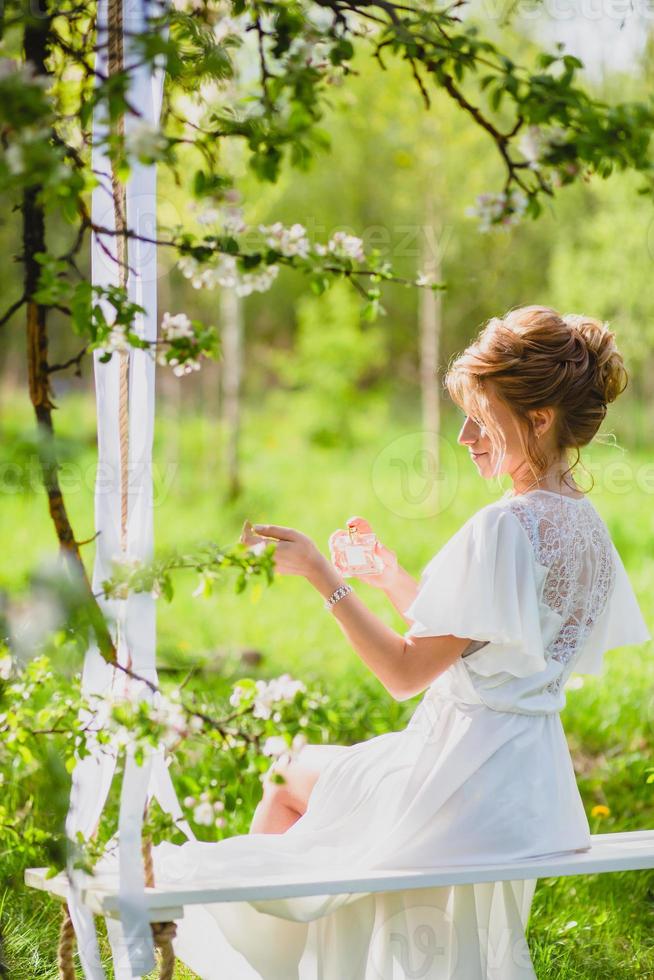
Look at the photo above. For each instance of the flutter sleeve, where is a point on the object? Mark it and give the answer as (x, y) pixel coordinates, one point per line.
(620, 623)
(485, 584)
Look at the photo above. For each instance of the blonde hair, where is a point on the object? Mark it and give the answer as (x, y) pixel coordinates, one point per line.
(534, 358)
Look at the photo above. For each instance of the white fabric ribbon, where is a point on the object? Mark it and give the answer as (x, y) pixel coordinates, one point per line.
(134, 618)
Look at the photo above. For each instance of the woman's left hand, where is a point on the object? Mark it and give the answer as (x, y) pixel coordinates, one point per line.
(295, 553)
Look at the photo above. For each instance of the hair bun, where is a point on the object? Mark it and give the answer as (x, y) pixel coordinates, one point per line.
(610, 372)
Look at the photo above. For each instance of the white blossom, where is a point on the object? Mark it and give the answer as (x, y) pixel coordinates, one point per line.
(224, 272)
(5, 667)
(207, 812)
(289, 241)
(195, 723)
(237, 696)
(14, 158)
(503, 209)
(116, 340)
(31, 620)
(536, 142)
(298, 743)
(186, 368)
(176, 327)
(346, 246)
(203, 814)
(233, 222)
(209, 216)
(226, 27)
(281, 688)
(259, 282)
(171, 717)
(145, 140)
(275, 745)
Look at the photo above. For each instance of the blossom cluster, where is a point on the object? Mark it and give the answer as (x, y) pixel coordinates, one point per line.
(314, 52)
(266, 694)
(177, 722)
(145, 142)
(537, 143)
(177, 327)
(344, 246)
(289, 241)
(116, 341)
(129, 715)
(224, 272)
(503, 209)
(206, 812)
(276, 745)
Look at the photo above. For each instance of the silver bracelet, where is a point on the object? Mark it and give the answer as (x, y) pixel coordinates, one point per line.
(337, 594)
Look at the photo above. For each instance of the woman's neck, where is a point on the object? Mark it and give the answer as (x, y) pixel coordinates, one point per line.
(555, 479)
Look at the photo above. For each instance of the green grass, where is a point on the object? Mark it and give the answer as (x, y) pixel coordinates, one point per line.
(587, 927)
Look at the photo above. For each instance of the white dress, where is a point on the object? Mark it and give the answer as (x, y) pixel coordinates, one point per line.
(481, 774)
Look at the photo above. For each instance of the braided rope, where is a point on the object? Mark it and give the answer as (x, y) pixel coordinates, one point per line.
(115, 64)
(115, 61)
(66, 947)
(163, 933)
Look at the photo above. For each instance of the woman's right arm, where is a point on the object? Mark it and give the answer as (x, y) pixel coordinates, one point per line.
(402, 590)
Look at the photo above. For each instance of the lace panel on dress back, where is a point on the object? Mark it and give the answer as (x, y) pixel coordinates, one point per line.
(569, 538)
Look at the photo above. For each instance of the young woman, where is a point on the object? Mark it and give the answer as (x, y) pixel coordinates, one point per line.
(528, 590)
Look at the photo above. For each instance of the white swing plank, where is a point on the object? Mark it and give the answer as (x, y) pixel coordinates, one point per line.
(630, 851)
(95, 895)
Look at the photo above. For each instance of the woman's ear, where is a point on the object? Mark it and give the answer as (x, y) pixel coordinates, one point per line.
(542, 420)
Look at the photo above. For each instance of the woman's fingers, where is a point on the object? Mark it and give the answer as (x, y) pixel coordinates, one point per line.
(276, 531)
(334, 535)
(360, 523)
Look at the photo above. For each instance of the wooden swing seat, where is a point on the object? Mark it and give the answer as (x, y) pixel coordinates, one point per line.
(629, 851)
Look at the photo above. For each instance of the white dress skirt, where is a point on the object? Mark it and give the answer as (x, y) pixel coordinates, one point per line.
(481, 774)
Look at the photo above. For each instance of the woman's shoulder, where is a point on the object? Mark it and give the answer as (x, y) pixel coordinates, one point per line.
(493, 526)
(497, 515)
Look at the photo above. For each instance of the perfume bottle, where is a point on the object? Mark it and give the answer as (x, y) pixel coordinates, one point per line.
(353, 552)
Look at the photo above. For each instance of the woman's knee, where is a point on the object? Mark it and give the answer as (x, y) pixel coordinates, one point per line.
(297, 783)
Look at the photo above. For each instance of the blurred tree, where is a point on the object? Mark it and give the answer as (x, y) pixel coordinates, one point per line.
(334, 367)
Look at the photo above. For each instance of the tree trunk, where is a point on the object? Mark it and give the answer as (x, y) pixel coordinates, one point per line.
(34, 241)
(232, 346)
(430, 319)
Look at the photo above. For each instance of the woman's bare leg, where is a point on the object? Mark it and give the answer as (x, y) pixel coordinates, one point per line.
(282, 804)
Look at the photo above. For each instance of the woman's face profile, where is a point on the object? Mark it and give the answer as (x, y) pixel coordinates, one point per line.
(511, 459)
